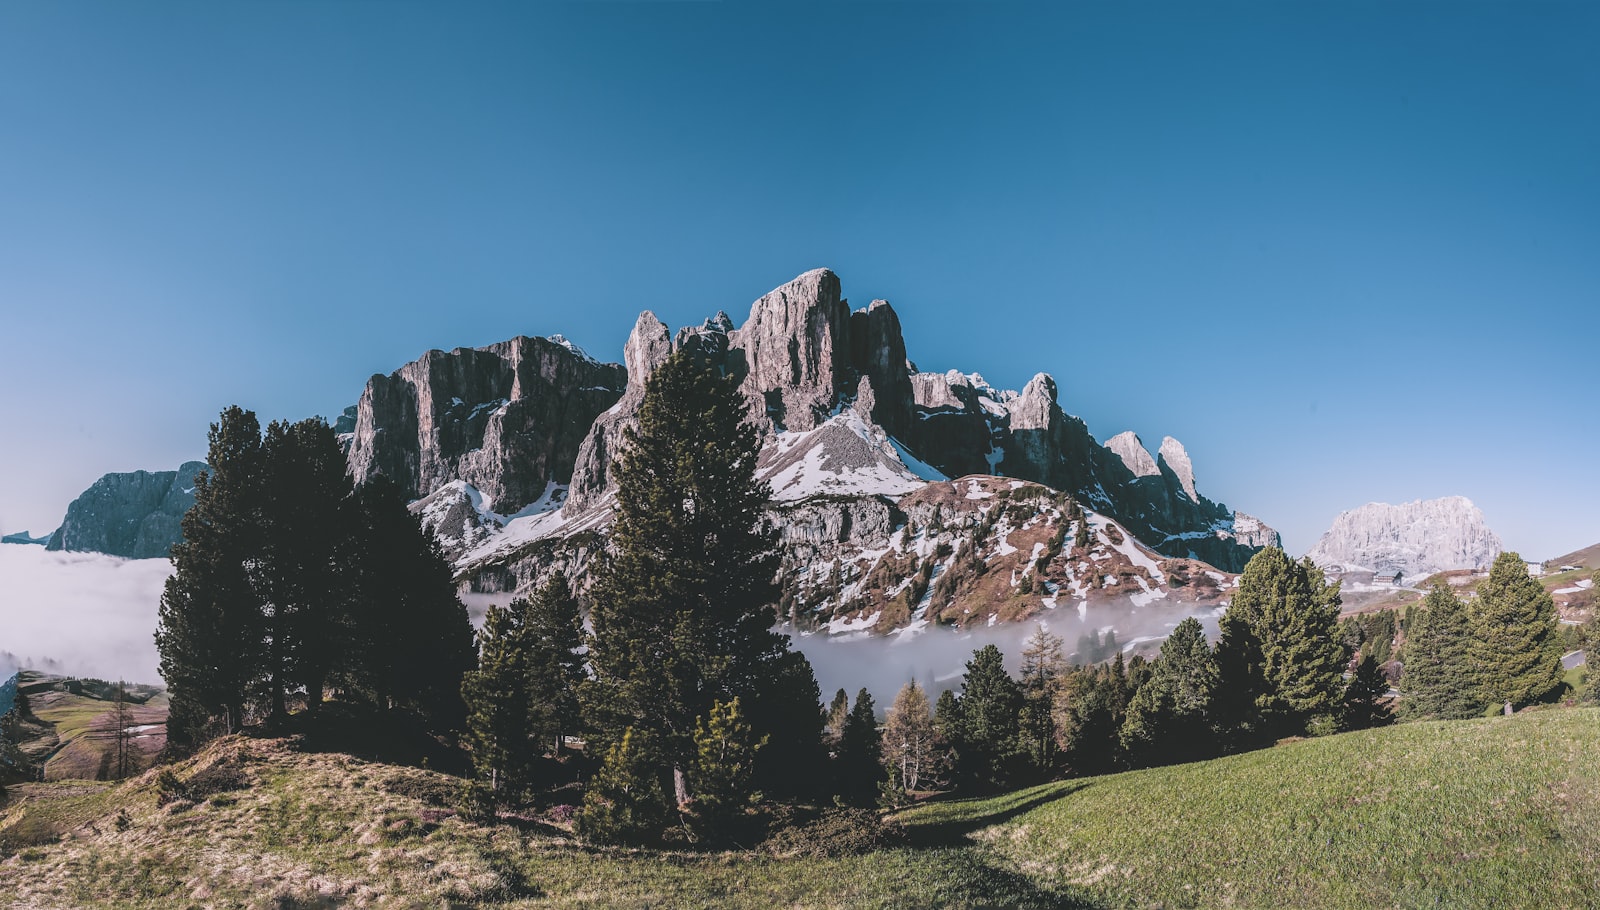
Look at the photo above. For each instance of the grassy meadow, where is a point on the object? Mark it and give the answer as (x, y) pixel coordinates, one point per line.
(1501, 812)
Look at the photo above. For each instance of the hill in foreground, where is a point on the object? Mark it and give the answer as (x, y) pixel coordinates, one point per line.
(1499, 812)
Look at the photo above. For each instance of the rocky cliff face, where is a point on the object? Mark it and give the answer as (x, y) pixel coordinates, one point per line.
(137, 515)
(507, 419)
(851, 429)
(1415, 538)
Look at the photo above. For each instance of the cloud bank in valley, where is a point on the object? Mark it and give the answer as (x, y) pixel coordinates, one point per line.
(85, 614)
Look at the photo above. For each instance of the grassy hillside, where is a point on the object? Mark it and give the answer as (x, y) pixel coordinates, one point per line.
(1495, 813)
(70, 730)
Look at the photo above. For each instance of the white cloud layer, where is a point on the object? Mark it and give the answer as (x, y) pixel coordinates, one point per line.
(95, 615)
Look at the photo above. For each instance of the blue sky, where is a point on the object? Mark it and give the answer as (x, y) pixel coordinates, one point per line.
(1345, 252)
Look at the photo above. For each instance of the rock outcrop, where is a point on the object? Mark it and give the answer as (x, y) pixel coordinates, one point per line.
(23, 537)
(508, 419)
(137, 515)
(1416, 538)
(649, 344)
(794, 352)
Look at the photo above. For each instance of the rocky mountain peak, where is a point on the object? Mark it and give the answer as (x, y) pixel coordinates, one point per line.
(1130, 448)
(1035, 408)
(648, 346)
(1176, 458)
(138, 514)
(795, 350)
(1415, 538)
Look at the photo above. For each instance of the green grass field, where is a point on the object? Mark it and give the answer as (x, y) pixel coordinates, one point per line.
(1502, 812)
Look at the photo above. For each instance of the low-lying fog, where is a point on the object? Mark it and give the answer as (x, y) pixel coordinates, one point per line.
(81, 613)
(92, 615)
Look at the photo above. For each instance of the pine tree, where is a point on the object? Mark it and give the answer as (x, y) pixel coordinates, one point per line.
(1088, 716)
(1437, 680)
(625, 801)
(990, 736)
(555, 666)
(499, 701)
(1169, 717)
(1514, 653)
(723, 772)
(1365, 705)
(860, 752)
(681, 605)
(911, 749)
(210, 632)
(412, 640)
(1280, 658)
(1042, 666)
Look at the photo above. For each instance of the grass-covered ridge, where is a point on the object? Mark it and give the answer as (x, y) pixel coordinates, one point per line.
(1503, 812)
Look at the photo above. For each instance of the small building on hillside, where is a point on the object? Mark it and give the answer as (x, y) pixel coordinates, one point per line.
(1535, 569)
(1390, 577)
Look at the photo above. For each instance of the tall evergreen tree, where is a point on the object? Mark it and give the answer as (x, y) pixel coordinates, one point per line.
(990, 736)
(681, 605)
(210, 633)
(1365, 704)
(1169, 717)
(860, 752)
(1437, 680)
(1514, 651)
(1281, 659)
(413, 641)
(499, 700)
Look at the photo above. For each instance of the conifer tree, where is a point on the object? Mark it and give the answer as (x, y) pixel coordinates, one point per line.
(625, 802)
(1514, 653)
(499, 700)
(681, 604)
(723, 772)
(1042, 666)
(555, 666)
(860, 752)
(1437, 681)
(911, 749)
(210, 633)
(1281, 660)
(1365, 705)
(989, 740)
(1169, 717)
(413, 642)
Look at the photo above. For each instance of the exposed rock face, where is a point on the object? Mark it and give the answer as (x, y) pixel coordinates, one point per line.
(507, 419)
(649, 345)
(1128, 447)
(138, 515)
(1175, 458)
(794, 352)
(1415, 538)
(23, 537)
(878, 354)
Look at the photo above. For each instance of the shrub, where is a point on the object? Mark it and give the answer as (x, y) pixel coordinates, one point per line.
(835, 832)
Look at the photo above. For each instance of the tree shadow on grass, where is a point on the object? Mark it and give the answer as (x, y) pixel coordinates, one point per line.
(971, 879)
(959, 818)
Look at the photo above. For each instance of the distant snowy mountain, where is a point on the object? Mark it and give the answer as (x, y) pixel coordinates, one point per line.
(1415, 538)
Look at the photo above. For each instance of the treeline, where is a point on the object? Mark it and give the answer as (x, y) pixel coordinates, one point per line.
(292, 584)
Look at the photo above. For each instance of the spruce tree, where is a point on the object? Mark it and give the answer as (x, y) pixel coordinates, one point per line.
(1365, 705)
(1514, 652)
(681, 604)
(1437, 680)
(210, 631)
(860, 752)
(412, 642)
(1169, 717)
(555, 666)
(499, 701)
(990, 734)
(1281, 660)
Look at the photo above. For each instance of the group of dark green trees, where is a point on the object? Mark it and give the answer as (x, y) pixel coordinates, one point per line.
(683, 689)
(292, 584)
(1500, 648)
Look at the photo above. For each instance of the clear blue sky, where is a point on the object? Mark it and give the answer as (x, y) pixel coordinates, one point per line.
(1345, 252)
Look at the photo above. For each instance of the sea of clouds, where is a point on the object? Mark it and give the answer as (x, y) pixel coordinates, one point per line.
(84, 614)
